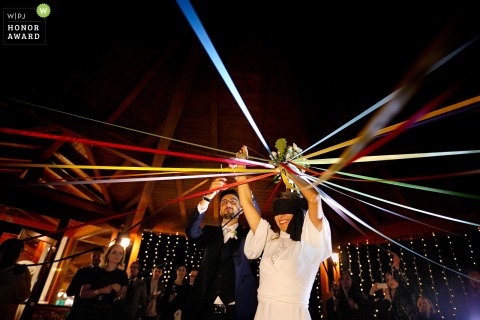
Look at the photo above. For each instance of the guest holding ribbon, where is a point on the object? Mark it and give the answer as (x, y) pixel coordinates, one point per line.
(349, 301)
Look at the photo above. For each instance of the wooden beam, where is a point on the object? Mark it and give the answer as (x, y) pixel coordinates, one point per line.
(101, 186)
(53, 203)
(181, 204)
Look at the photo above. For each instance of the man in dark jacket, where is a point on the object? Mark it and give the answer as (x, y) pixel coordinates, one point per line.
(225, 287)
(78, 280)
(136, 298)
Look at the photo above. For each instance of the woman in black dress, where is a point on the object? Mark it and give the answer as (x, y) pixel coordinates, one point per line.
(105, 288)
(176, 293)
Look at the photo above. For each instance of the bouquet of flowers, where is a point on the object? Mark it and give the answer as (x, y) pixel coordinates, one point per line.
(284, 151)
(283, 154)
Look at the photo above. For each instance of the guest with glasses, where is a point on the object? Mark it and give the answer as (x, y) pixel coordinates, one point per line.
(225, 287)
(233, 202)
(136, 298)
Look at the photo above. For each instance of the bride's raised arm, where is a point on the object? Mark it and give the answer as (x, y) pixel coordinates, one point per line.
(245, 195)
(315, 210)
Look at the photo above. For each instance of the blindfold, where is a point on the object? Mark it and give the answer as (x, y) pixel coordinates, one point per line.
(286, 206)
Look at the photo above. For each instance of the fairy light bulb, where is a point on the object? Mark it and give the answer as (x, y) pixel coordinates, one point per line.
(406, 269)
(415, 268)
(379, 258)
(349, 257)
(340, 253)
(425, 252)
(360, 270)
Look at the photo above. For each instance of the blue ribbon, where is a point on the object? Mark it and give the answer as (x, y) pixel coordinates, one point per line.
(199, 30)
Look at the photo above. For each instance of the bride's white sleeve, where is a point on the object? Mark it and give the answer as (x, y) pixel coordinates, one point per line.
(255, 242)
(319, 241)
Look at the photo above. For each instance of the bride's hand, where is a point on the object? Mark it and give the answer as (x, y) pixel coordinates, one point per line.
(241, 154)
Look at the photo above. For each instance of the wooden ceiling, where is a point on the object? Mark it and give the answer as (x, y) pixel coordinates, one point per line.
(123, 80)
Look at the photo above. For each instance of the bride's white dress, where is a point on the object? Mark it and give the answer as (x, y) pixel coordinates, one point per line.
(287, 268)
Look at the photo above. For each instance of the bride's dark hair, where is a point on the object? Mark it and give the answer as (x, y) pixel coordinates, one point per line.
(292, 203)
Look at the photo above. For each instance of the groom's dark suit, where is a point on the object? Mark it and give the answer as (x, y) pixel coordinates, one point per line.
(225, 271)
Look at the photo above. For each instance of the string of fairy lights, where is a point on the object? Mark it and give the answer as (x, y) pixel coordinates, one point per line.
(447, 285)
(380, 266)
(415, 268)
(471, 258)
(317, 293)
(432, 280)
(341, 261)
(369, 265)
(194, 257)
(359, 261)
(457, 266)
(405, 266)
(349, 258)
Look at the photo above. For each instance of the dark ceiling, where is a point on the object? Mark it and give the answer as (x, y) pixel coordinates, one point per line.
(136, 75)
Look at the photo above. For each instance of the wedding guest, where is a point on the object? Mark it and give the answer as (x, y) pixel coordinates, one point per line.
(78, 280)
(399, 298)
(105, 288)
(15, 279)
(426, 309)
(349, 301)
(155, 291)
(176, 293)
(378, 303)
(136, 298)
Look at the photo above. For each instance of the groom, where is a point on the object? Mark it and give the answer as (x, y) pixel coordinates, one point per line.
(225, 287)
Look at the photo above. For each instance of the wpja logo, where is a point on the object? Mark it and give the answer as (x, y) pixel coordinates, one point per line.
(25, 26)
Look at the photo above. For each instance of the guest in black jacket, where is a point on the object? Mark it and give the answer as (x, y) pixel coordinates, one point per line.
(79, 278)
(136, 298)
(176, 292)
